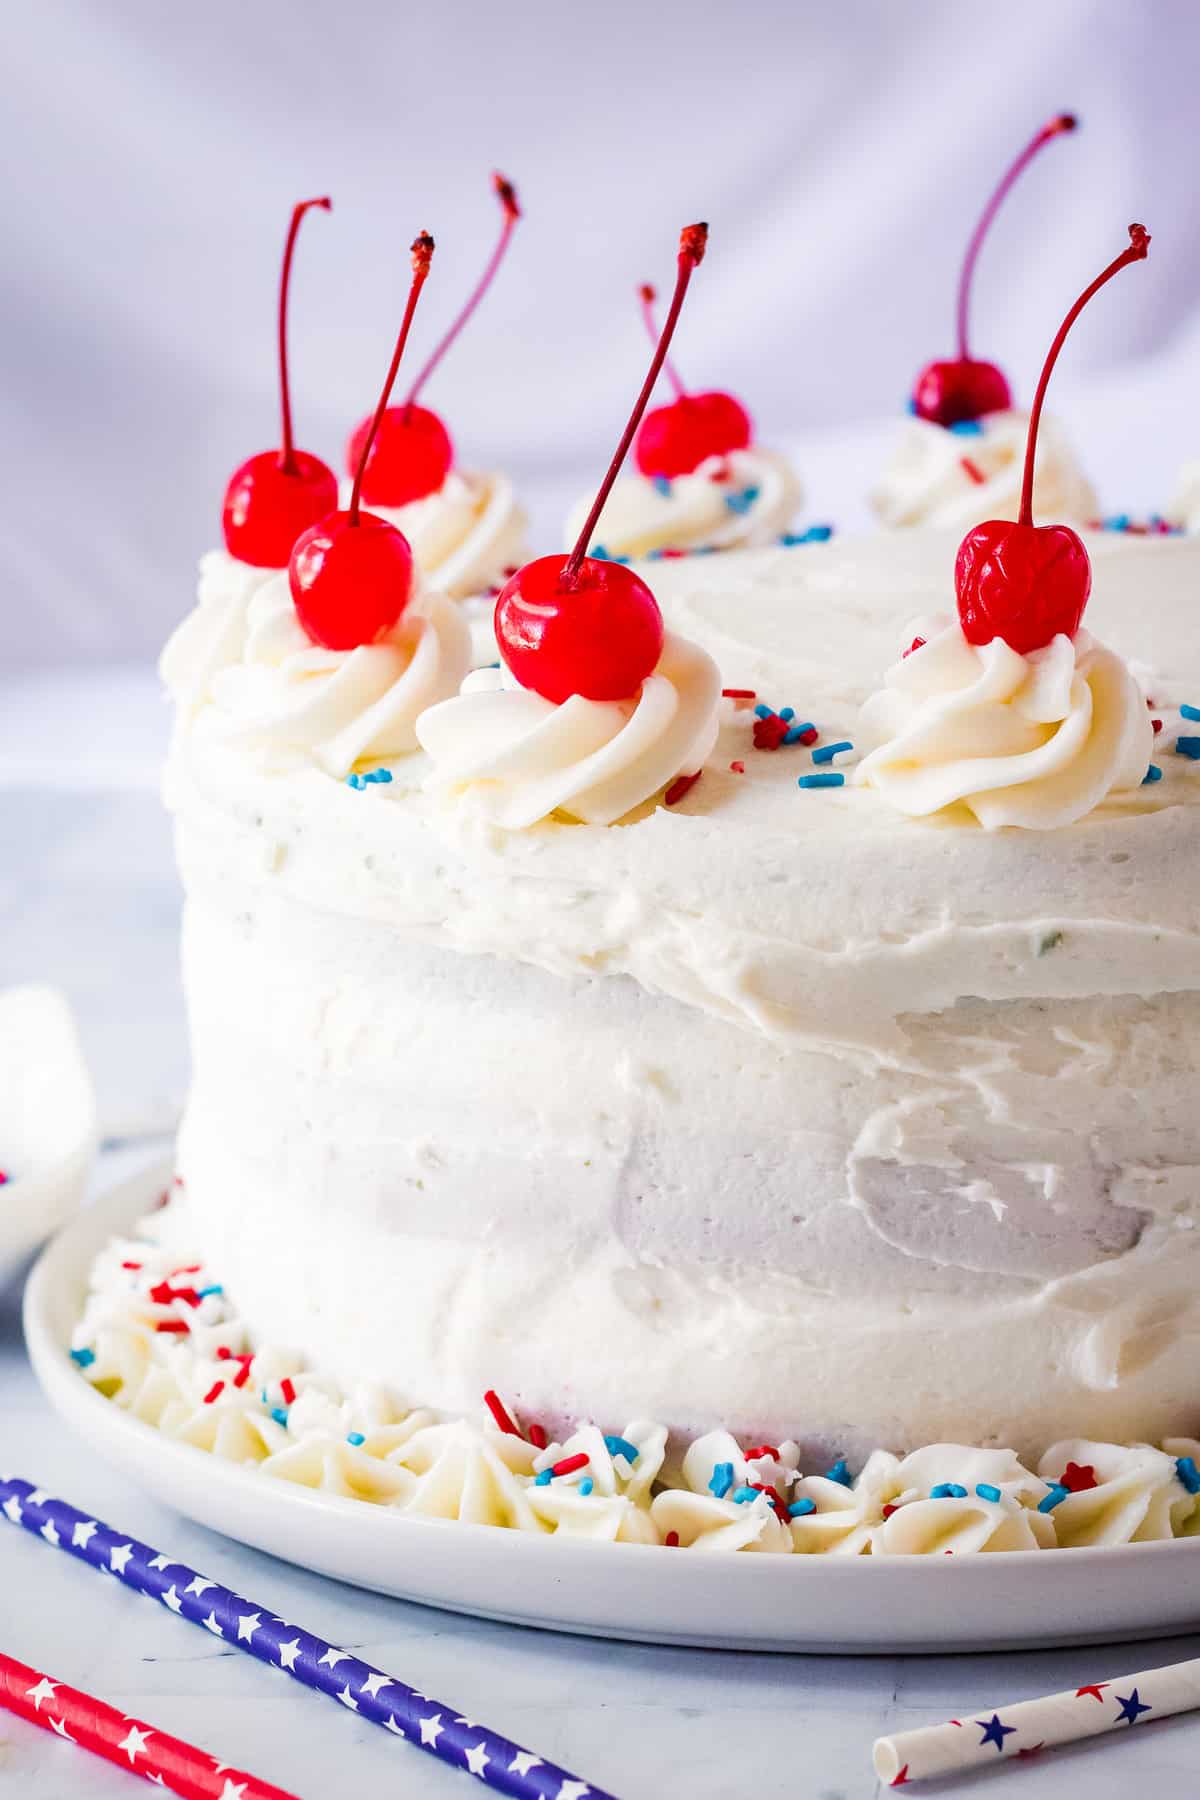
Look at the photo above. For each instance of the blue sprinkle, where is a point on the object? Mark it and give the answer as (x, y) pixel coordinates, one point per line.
(384, 775)
(910, 406)
(543, 1478)
(742, 1494)
(966, 428)
(83, 1358)
(1190, 712)
(799, 1509)
(763, 712)
(799, 732)
(788, 713)
(586, 1486)
(215, 1289)
(279, 1414)
(743, 501)
(1153, 773)
(832, 779)
(986, 1491)
(263, 1396)
(600, 553)
(619, 1446)
(840, 1473)
(356, 1438)
(1118, 522)
(1054, 1498)
(948, 1490)
(1188, 1473)
(1188, 746)
(654, 556)
(827, 752)
(814, 534)
(662, 485)
(721, 1480)
(356, 781)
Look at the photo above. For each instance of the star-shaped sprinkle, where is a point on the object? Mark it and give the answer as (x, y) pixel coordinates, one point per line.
(50, 1533)
(476, 1758)
(118, 1558)
(134, 1743)
(347, 1699)
(332, 1658)
(288, 1653)
(1130, 1706)
(45, 1690)
(83, 1533)
(523, 1761)
(1077, 1478)
(171, 1599)
(994, 1732)
(248, 1624)
(1094, 1689)
(374, 1685)
(431, 1729)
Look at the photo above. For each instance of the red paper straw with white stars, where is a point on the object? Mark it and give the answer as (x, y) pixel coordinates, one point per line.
(1029, 1726)
(167, 1762)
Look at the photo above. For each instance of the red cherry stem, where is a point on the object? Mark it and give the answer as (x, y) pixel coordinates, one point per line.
(422, 256)
(1052, 129)
(693, 241)
(287, 452)
(507, 194)
(1139, 245)
(647, 296)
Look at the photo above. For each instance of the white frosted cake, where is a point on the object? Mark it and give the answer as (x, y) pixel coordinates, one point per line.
(773, 1109)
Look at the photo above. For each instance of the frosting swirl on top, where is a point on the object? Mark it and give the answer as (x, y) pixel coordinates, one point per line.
(244, 668)
(523, 758)
(1036, 741)
(466, 536)
(746, 498)
(954, 479)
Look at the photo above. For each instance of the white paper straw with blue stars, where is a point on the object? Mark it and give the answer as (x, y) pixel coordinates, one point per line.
(1027, 1727)
(403, 1711)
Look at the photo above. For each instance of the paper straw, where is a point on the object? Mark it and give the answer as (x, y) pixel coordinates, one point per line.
(403, 1711)
(142, 1749)
(1026, 1727)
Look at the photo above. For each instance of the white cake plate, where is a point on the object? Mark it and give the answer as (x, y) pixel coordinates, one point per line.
(856, 1605)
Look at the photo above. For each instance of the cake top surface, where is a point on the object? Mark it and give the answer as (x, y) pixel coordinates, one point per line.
(752, 897)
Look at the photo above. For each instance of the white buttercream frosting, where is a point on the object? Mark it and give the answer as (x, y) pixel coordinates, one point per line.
(953, 479)
(1037, 741)
(521, 757)
(745, 498)
(243, 667)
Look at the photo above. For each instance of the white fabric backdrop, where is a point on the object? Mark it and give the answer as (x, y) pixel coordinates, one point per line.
(839, 151)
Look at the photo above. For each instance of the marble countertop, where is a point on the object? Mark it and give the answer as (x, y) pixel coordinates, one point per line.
(88, 900)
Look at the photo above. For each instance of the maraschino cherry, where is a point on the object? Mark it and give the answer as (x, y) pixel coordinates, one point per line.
(577, 624)
(351, 574)
(953, 392)
(278, 494)
(677, 438)
(413, 453)
(1021, 582)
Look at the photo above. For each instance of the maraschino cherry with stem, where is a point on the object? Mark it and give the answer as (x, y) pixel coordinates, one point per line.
(956, 391)
(675, 439)
(276, 495)
(578, 624)
(413, 452)
(1023, 582)
(351, 574)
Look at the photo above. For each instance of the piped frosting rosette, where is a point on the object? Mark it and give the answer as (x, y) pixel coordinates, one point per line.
(520, 758)
(949, 477)
(243, 668)
(1035, 741)
(745, 498)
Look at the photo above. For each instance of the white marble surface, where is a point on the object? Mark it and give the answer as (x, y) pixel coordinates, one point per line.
(88, 900)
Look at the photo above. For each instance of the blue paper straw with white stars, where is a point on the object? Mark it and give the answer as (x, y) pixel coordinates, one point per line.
(1028, 1727)
(405, 1712)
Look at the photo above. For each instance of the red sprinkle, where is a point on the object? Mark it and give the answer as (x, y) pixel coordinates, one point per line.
(670, 555)
(187, 1269)
(1156, 726)
(738, 694)
(738, 768)
(214, 1392)
(537, 1437)
(131, 1265)
(287, 1389)
(809, 737)
(1078, 1477)
(500, 1413)
(887, 1513)
(762, 1450)
(973, 471)
(162, 1293)
(243, 1374)
(918, 643)
(172, 1325)
(770, 732)
(681, 786)
(672, 1540)
(569, 1464)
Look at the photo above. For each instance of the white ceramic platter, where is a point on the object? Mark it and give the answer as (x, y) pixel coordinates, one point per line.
(809, 1603)
(47, 1122)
